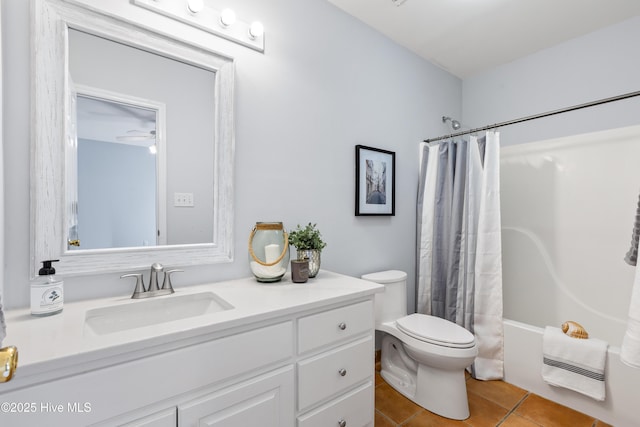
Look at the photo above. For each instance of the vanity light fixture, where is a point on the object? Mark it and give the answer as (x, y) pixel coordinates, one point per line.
(199, 14)
(227, 18)
(256, 29)
(195, 6)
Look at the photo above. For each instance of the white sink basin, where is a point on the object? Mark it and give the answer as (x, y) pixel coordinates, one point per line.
(154, 311)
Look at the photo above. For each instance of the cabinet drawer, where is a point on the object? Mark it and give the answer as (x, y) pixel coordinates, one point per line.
(331, 326)
(354, 408)
(335, 371)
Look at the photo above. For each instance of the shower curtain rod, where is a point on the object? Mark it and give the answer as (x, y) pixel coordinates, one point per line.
(538, 116)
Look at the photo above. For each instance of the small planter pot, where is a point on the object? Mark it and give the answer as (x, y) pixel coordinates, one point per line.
(313, 255)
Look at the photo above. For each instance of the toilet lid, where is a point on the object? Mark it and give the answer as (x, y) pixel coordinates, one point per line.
(389, 276)
(435, 330)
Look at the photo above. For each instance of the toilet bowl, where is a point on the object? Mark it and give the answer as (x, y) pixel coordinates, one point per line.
(423, 357)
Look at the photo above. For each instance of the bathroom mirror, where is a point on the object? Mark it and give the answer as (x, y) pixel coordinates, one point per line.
(196, 203)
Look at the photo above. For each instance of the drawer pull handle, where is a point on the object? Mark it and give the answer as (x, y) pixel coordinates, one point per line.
(342, 423)
(342, 326)
(342, 372)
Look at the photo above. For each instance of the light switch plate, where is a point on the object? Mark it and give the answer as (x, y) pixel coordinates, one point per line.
(183, 200)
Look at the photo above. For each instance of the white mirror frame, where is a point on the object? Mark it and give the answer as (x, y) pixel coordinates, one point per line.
(51, 20)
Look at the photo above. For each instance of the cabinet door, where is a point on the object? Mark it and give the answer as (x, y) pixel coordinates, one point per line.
(265, 401)
(166, 418)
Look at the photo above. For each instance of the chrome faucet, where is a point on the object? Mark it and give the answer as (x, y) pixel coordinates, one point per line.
(154, 288)
(153, 277)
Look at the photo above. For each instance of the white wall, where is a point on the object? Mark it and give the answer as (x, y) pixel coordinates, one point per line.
(325, 83)
(119, 211)
(598, 65)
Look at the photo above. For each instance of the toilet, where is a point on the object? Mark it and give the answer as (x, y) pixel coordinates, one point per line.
(423, 357)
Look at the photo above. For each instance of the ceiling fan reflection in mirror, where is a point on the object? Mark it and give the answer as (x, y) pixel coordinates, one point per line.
(141, 137)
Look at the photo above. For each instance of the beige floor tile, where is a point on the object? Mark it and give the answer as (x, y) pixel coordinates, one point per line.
(504, 394)
(550, 414)
(484, 413)
(394, 405)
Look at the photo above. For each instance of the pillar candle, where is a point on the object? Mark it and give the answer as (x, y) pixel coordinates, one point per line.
(271, 253)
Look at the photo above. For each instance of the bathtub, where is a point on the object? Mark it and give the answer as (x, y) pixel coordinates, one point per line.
(567, 208)
(523, 364)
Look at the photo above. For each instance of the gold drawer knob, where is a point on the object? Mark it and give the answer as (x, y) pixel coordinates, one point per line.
(8, 363)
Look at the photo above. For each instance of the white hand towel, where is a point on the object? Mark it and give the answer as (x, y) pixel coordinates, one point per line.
(630, 350)
(576, 364)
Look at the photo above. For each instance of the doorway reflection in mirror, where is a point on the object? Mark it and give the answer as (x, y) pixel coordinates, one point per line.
(116, 175)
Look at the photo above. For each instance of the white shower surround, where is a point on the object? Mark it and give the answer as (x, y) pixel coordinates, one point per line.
(568, 207)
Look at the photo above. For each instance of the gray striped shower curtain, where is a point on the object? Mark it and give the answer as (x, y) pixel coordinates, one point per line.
(459, 251)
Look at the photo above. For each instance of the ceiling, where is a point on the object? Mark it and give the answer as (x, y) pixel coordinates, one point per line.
(466, 37)
(110, 121)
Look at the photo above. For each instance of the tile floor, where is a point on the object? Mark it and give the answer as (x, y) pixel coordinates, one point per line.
(491, 403)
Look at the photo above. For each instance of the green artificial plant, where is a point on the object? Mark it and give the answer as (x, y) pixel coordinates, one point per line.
(306, 238)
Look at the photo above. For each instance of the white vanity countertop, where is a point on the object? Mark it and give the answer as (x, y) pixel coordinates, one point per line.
(62, 341)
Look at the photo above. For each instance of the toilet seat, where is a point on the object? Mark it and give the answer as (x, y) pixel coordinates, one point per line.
(435, 330)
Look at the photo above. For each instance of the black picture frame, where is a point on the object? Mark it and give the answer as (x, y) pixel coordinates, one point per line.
(375, 181)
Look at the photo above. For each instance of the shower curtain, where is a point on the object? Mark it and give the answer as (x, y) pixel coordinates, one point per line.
(459, 264)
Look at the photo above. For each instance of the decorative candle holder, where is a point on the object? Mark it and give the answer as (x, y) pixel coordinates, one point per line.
(299, 270)
(268, 251)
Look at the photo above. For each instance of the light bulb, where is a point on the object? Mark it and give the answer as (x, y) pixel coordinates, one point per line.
(227, 17)
(195, 6)
(256, 30)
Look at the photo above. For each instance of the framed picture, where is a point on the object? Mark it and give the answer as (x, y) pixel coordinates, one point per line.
(375, 181)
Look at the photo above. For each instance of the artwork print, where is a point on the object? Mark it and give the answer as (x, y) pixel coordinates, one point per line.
(375, 181)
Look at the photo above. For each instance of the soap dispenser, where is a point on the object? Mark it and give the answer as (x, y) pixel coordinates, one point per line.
(47, 294)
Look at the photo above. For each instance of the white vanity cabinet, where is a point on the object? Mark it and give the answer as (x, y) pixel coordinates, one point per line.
(285, 356)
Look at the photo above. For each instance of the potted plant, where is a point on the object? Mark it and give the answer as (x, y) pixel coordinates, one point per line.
(309, 244)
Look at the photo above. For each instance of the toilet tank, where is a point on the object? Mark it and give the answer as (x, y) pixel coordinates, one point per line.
(392, 303)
